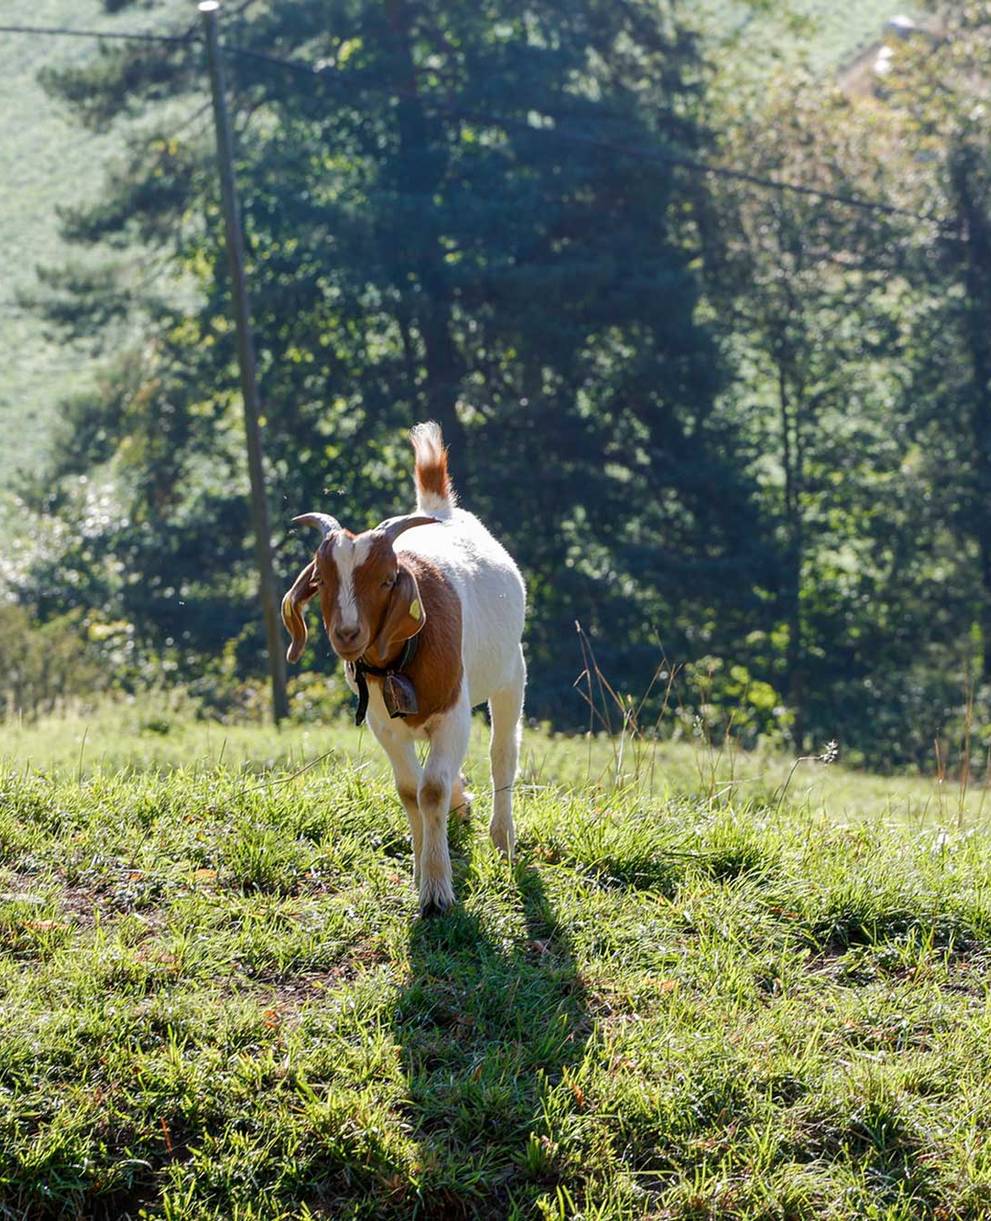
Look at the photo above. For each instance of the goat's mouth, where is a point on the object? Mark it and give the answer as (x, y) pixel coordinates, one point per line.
(349, 652)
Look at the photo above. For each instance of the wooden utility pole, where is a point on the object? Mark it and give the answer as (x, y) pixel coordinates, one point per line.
(246, 359)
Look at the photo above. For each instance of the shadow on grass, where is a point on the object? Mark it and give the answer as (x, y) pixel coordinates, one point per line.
(489, 1024)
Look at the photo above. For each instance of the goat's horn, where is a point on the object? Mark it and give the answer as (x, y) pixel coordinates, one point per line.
(323, 521)
(392, 527)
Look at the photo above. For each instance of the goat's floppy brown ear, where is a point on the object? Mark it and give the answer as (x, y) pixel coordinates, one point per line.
(404, 617)
(293, 604)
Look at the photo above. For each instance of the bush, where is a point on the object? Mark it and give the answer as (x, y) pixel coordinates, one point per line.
(43, 665)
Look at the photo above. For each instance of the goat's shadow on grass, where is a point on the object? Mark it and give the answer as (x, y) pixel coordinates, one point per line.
(488, 1023)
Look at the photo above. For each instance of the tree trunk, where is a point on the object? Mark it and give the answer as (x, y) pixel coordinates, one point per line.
(978, 314)
(795, 656)
(985, 547)
(434, 310)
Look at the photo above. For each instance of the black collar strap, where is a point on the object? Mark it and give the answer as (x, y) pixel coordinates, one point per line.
(361, 669)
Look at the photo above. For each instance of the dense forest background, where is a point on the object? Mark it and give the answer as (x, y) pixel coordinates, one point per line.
(718, 420)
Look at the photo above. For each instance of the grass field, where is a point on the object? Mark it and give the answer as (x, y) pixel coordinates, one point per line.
(47, 162)
(695, 994)
(826, 34)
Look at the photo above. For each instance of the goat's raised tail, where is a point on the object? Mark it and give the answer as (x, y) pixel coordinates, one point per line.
(434, 491)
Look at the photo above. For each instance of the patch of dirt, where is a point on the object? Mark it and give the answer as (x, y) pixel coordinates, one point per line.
(109, 895)
(964, 969)
(282, 1001)
(970, 974)
(287, 994)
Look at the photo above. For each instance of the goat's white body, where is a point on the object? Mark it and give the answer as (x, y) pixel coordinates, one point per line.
(493, 606)
(493, 599)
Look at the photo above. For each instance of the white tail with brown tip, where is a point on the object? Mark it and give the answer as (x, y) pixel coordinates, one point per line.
(434, 491)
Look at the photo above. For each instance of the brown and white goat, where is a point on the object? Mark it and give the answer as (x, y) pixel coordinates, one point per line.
(427, 611)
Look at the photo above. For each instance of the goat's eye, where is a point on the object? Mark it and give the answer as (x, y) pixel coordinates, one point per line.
(389, 581)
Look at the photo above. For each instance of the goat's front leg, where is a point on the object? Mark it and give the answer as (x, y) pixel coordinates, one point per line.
(406, 770)
(448, 745)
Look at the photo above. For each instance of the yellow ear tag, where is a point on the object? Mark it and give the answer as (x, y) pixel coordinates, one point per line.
(414, 610)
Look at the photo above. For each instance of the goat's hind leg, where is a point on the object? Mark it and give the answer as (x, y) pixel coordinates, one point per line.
(505, 707)
(461, 799)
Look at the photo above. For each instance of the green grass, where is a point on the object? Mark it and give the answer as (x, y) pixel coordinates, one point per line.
(47, 162)
(160, 734)
(826, 34)
(683, 1000)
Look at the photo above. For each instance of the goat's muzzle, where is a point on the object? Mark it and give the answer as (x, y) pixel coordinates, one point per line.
(348, 642)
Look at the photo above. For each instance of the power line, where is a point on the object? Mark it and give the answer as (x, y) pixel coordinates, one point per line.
(647, 156)
(65, 32)
(62, 31)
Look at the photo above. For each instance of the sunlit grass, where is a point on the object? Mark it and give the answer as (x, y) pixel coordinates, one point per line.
(156, 733)
(707, 1000)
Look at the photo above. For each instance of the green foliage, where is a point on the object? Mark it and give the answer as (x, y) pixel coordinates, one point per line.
(711, 420)
(409, 255)
(49, 164)
(59, 164)
(48, 666)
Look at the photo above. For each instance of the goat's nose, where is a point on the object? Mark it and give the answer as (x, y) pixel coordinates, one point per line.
(347, 635)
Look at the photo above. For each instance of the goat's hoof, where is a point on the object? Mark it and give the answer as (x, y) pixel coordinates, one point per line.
(436, 898)
(433, 908)
(504, 839)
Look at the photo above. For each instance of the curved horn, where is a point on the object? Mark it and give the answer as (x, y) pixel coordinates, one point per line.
(323, 521)
(392, 527)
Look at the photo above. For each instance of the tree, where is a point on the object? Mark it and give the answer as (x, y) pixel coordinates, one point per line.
(817, 311)
(465, 213)
(938, 94)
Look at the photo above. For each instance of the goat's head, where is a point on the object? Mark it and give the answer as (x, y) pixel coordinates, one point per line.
(369, 599)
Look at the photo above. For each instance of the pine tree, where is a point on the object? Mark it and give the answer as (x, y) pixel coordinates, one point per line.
(463, 213)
